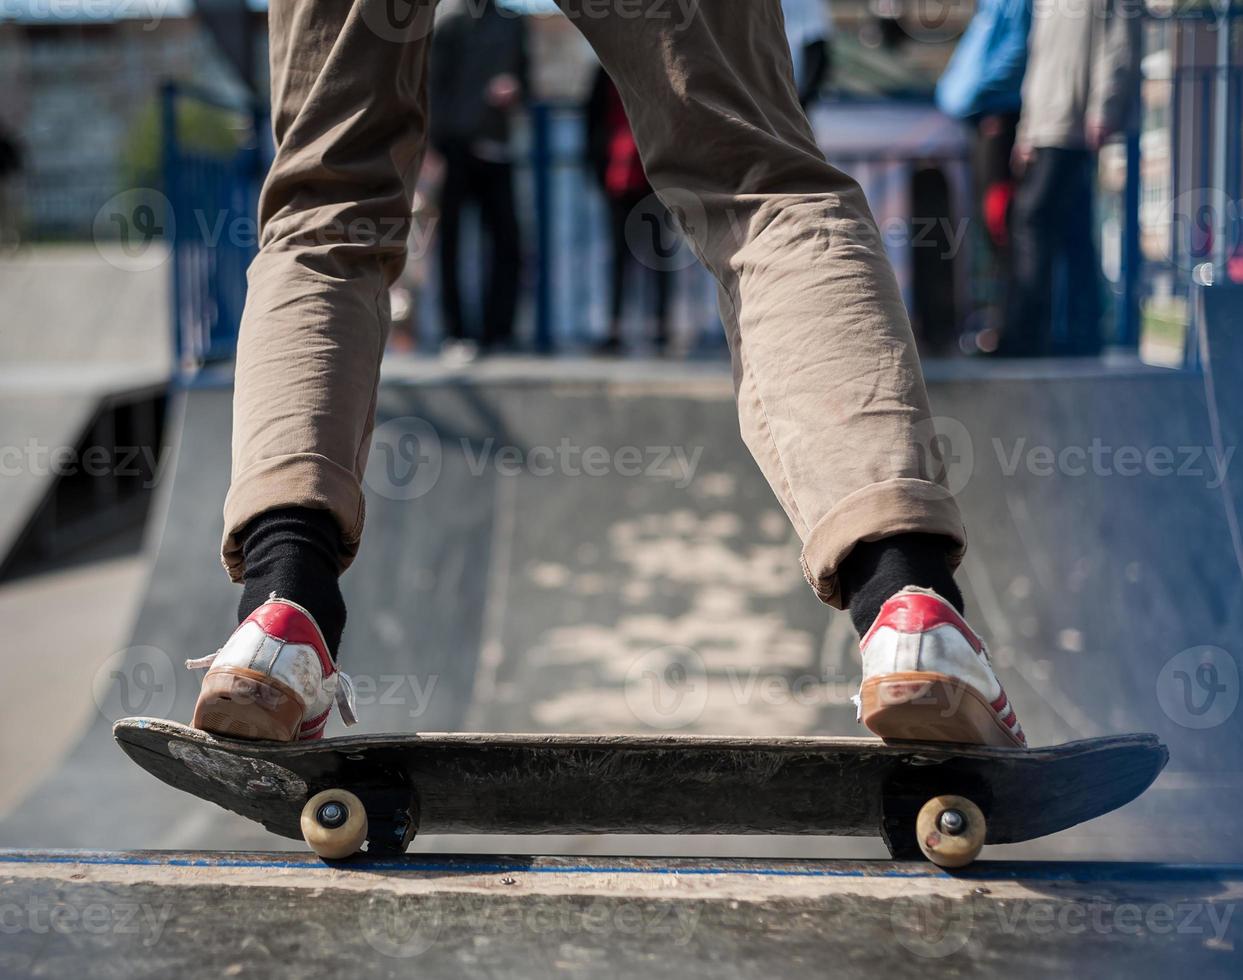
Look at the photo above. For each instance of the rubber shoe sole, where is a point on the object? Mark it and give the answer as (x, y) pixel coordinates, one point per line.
(240, 703)
(929, 707)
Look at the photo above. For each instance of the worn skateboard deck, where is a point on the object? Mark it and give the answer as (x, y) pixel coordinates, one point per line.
(658, 784)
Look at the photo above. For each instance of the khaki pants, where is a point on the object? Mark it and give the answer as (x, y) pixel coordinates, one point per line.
(831, 398)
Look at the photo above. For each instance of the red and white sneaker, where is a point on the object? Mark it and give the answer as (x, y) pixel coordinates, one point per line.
(273, 680)
(927, 677)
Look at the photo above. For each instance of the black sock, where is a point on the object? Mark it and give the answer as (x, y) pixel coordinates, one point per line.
(875, 571)
(295, 553)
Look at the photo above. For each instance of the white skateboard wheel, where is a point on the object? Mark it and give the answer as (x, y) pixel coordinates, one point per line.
(334, 824)
(950, 831)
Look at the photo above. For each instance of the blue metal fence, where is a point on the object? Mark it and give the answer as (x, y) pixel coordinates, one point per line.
(214, 202)
(1181, 219)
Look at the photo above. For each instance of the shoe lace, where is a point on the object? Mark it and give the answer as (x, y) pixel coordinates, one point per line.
(344, 696)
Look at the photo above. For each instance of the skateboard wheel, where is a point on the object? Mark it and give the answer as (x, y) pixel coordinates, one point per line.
(334, 824)
(950, 831)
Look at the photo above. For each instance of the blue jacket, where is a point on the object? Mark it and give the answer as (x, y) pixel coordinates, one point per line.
(985, 75)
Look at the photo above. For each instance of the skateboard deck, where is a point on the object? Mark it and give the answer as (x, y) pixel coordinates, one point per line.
(473, 783)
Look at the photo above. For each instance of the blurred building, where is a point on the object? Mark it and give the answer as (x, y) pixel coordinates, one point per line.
(80, 95)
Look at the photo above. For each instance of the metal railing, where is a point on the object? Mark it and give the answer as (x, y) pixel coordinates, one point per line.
(1184, 165)
(211, 197)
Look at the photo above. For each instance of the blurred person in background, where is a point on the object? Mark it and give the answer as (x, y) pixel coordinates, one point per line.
(809, 29)
(1081, 88)
(478, 77)
(636, 217)
(830, 391)
(982, 85)
(10, 167)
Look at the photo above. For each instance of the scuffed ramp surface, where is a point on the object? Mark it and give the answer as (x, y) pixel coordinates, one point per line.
(501, 588)
(146, 915)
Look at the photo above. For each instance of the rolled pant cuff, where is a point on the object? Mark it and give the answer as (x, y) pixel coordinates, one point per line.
(878, 511)
(299, 480)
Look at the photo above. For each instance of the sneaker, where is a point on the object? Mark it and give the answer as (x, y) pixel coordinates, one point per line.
(273, 680)
(459, 353)
(927, 677)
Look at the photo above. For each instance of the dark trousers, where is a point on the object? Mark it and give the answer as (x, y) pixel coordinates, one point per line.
(638, 245)
(1054, 299)
(994, 146)
(489, 185)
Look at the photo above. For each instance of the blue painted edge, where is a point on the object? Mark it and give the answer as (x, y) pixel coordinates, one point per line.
(422, 864)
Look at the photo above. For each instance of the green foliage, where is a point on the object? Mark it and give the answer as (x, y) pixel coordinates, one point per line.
(200, 127)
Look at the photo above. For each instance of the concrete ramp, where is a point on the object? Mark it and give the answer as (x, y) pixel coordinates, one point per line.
(63, 357)
(589, 548)
(190, 915)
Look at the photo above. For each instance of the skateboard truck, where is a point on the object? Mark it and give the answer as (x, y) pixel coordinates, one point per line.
(949, 829)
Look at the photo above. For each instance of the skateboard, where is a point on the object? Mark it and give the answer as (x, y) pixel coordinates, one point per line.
(944, 801)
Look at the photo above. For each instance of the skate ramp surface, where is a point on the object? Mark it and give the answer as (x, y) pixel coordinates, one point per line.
(585, 549)
(61, 356)
(289, 916)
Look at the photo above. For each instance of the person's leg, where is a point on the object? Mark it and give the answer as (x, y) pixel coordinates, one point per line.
(831, 396)
(499, 218)
(1083, 279)
(349, 116)
(453, 196)
(649, 256)
(994, 180)
(1029, 293)
(664, 280)
(618, 213)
